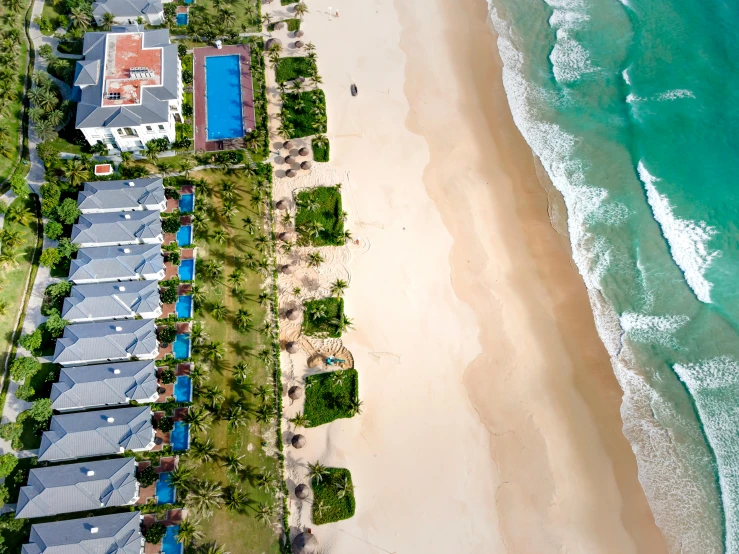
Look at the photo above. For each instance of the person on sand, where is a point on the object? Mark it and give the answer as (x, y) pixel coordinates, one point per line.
(337, 13)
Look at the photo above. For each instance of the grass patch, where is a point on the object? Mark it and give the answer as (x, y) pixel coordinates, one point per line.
(321, 150)
(292, 25)
(320, 218)
(204, 17)
(288, 2)
(330, 396)
(289, 69)
(333, 496)
(51, 14)
(12, 121)
(306, 113)
(323, 317)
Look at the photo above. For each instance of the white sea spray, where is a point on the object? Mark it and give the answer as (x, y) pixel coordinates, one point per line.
(676, 94)
(570, 60)
(688, 239)
(653, 329)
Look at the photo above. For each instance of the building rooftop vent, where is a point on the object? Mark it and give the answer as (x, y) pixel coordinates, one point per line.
(127, 216)
(122, 288)
(119, 329)
(94, 530)
(131, 184)
(111, 420)
(126, 250)
(116, 372)
(90, 473)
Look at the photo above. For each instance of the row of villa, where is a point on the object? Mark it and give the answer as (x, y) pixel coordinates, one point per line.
(112, 368)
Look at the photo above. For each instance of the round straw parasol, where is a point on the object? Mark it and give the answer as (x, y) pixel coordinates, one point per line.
(287, 269)
(279, 25)
(292, 315)
(288, 145)
(305, 165)
(299, 33)
(281, 205)
(305, 543)
(285, 236)
(295, 391)
(304, 151)
(292, 348)
(299, 44)
(289, 160)
(298, 441)
(302, 491)
(271, 42)
(290, 173)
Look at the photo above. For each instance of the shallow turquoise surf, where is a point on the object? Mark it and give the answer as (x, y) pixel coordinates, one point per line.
(632, 107)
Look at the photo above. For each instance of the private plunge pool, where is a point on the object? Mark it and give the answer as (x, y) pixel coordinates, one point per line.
(223, 103)
(169, 542)
(165, 490)
(183, 389)
(179, 437)
(181, 347)
(184, 307)
(181, 19)
(187, 270)
(187, 203)
(184, 235)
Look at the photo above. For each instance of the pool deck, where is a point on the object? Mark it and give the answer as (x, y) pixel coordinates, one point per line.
(200, 105)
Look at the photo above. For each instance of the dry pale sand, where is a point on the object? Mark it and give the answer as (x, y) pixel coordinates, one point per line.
(491, 414)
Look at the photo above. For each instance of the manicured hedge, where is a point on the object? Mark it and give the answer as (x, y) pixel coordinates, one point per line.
(329, 396)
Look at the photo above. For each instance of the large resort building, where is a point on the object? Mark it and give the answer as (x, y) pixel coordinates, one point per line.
(129, 87)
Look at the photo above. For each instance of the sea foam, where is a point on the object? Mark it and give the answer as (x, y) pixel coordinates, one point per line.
(653, 329)
(676, 94)
(570, 60)
(688, 240)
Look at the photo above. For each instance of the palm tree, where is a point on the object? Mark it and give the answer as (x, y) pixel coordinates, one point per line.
(318, 312)
(342, 324)
(263, 392)
(241, 370)
(299, 420)
(214, 396)
(212, 548)
(300, 10)
(182, 478)
(75, 172)
(199, 294)
(18, 213)
(317, 471)
(188, 533)
(264, 413)
(8, 259)
(4, 307)
(315, 228)
(347, 235)
(13, 5)
(237, 500)
(11, 238)
(214, 351)
(108, 20)
(205, 498)
(218, 311)
(264, 513)
(126, 158)
(45, 130)
(233, 463)
(152, 151)
(35, 114)
(220, 236)
(310, 48)
(315, 259)
(237, 416)
(243, 319)
(338, 287)
(316, 79)
(203, 451)
(343, 488)
(198, 419)
(213, 269)
(165, 167)
(355, 406)
(186, 166)
(80, 18)
(267, 19)
(54, 118)
(265, 481)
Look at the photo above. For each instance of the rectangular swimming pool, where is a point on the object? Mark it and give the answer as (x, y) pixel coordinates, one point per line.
(181, 19)
(181, 347)
(165, 490)
(179, 437)
(184, 307)
(187, 203)
(187, 270)
(184, 235)
(169, 542)
(224, 115)
(183, 389)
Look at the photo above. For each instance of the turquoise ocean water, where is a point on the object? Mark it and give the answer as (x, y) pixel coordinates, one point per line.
(633, 108)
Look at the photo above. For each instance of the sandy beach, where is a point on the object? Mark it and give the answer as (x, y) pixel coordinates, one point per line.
(491, 413)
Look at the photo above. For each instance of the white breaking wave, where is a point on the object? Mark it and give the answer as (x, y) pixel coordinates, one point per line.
(570, 60)
(653, 329)
(567, 19)
(625, 75)
(688, 240)
(676, 94)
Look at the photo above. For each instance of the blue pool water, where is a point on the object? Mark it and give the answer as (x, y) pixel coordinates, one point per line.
(184, 235)
(181, 19)
(165, 490)
(187, 203)
(169, 542)
(183, 389)
(179, 438)
(187, 270)
(184, 306)
(224, 115)
(188, 2)
(181, 347)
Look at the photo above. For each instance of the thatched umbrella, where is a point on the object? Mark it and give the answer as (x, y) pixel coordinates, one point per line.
(302, 491)
(287, 269)
(281, 205)
(305, 543)
(287, 145)
(292, 348)
(304, 151)
(291, 173)
(299, 33)
(289, 160)
(271, 42)
(292, 315)
(305, 165)
(295, 391)
(298, 441)
(279, 25)
(299, 44)
(285, 236)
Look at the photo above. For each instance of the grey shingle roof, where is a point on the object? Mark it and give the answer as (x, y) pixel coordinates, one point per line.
(117, 262)
(88, 72)
(104, 385)
(111, 300)
(121, 195)
(117, 228)
(84, 343)
(116, 534)
(78, 487)
(126, 8)
(88, 434)
(154, 106)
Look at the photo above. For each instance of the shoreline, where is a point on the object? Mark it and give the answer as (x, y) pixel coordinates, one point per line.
(481, 371)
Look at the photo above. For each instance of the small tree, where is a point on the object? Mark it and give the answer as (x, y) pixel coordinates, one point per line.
(168, 377)
(55, 324)
(167, 334)
(155, 533)
(147, 477)
(67, 212)
(7, 464)
(41, 410)
(19, 186)
(165, 425)
(168, 295)
(171, 224)
(32, 341)
(53, 230)
(50, 257)
(23, 368)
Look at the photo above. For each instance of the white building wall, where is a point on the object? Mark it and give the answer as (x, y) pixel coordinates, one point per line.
(139, 277)
(159, 239)
(145, 208)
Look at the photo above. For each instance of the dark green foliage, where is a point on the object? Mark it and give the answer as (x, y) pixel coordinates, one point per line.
(321, 151)
(67, 212)
(41, 410)
(7, 464)
(174, 258)
(319, 218)
(329, 396)
(187, 76)
(11, 431)
(171, 193)
(32, 341)
(50, 257)
(13, 532)
(168, 295)
(187, 110)
(55, 325)
(226, 157)
(21, 368)
(168, 377)
(289, 69)
(133, 172)
(167, 334)
(53, 229)
(171, 224)
(55, 295)
(165, 425)
(155, 533)
(321, 317)
(334, 506)
(181, 50)
(147, 477)
(303, 119)
(292, 25)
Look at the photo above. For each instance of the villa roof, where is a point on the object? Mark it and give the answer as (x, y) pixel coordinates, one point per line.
(117, 340)
(82, 387)
(117, 262)
(143, 100)
(111, 534)
(111, 300)
(122, 195)
(78, 487)
(88, 73)
(126, 8)
(116, 227)
(97, 433)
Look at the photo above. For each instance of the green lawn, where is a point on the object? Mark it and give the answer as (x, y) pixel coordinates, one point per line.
(52, 13)
(333, 496)
(238, 532)
(330, 396)
(321, 152)
(289, 69)
(301, 114)
(323, 317)
(320, 218)
(292, 25)
(210, 16)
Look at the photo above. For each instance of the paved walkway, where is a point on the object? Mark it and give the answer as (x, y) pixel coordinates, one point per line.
(40, 39)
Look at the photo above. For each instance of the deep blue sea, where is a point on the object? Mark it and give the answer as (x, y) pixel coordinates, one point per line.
(632, 107)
